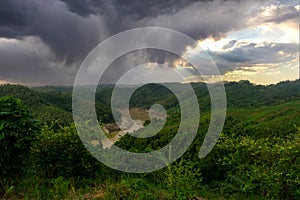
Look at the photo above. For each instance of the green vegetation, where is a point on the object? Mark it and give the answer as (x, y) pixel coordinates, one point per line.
(17, 133)
(256, 157)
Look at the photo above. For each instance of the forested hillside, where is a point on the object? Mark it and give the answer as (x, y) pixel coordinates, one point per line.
(256, 157)
(56, 102)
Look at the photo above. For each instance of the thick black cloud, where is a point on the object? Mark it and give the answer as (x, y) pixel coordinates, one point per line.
(14, 17)
(134, 8)
(71, 28)
(70, 36)
(20, 62)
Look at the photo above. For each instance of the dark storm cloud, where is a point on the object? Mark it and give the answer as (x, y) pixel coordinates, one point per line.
(120, 15)
(14, 17)
(68, 35)
(253, 54)
(132, 8)
(71, 28)
(260, 53)
(20, 63)
(202, 19)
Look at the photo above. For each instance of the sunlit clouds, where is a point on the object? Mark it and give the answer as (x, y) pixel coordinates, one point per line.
(265, 51)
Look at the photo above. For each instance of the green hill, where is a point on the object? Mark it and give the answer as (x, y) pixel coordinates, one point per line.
(256, 156)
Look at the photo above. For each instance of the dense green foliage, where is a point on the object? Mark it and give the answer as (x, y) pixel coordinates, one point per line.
(266, 167)
(17, 133)
(256, 157)
(61, 153)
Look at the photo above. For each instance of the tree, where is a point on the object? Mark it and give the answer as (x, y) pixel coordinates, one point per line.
(17, 132)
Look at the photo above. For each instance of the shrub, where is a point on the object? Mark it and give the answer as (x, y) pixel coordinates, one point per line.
(265, 167)
(183, 179)
(62, 154)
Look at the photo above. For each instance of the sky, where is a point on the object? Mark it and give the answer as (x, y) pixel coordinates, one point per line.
(45, 42)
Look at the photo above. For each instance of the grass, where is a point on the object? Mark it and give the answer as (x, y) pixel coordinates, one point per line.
(285, 111)
(266, 115)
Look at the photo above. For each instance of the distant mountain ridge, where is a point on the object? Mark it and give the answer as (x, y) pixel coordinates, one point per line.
(50, 103)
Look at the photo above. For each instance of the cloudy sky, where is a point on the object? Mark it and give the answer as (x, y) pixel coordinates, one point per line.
(44, 42)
